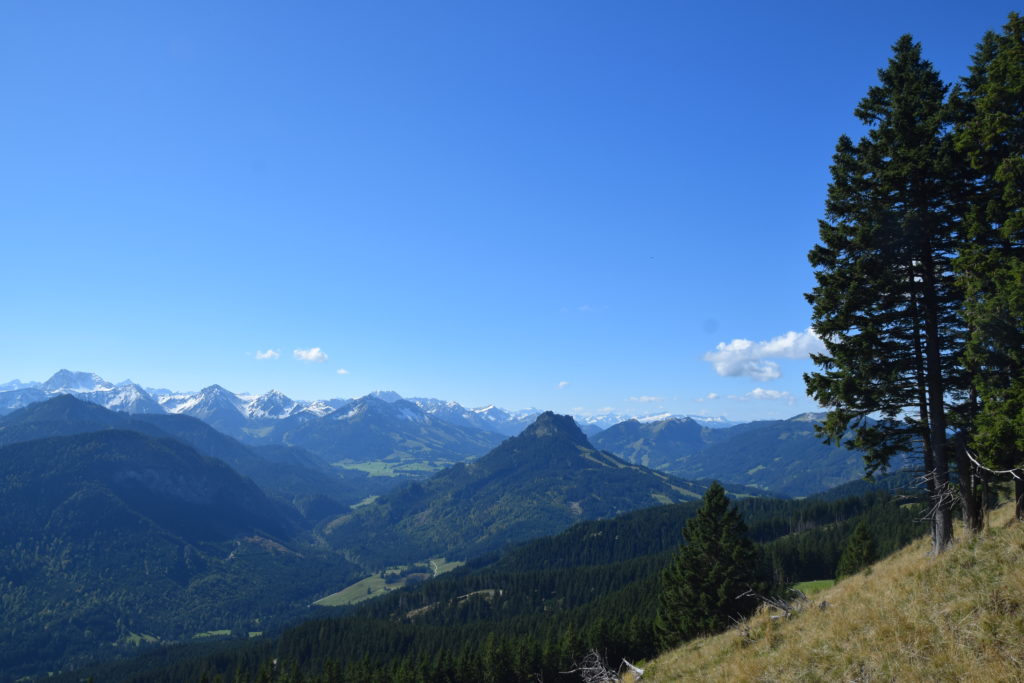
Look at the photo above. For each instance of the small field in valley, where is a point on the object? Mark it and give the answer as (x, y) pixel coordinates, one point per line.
(388, 580)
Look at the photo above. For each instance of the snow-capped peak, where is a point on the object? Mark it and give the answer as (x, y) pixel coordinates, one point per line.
(75, 382)
(272, 404)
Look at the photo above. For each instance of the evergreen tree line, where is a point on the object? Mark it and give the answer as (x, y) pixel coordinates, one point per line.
(537, 608)
(919, 298)
(718, 575)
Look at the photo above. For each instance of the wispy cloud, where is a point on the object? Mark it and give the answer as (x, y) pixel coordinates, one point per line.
(757, 394)
(645, 399)
(760, 394)
(562, 385)
(342, 371)
(746, 358)
(767, 394)
(269, 354)
(313, 355)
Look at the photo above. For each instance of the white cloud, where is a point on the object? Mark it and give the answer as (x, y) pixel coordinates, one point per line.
(645, 399)
(342, 371)
(710, 397)
(313, 355)
(746, 358)
(562, 385)
(269, 354)
(760, 394)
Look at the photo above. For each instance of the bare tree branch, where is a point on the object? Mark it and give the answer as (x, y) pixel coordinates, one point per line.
(1016, 472)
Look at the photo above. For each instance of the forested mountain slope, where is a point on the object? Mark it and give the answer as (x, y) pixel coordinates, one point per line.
(114, 536)
(289, 474)
(534, 484)
(534, 609)
(783, 456)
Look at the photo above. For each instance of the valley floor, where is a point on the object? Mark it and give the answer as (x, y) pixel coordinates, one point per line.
(910, 617)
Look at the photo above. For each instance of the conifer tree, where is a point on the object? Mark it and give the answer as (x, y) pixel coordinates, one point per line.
(858, 553)
(701, 587)
(990, 131)
(886, 305)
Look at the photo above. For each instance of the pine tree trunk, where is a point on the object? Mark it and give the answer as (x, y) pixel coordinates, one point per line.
(922, 406)
(1018, 495)
(942, 505)
(970, 505)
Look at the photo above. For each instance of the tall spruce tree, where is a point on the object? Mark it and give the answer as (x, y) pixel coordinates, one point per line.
(858, 553)
(717, 563)
(885, 304)
(989, 109)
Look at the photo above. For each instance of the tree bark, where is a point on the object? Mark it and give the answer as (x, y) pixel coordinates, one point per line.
(942, 507)
(974, 521)
(1018, 495)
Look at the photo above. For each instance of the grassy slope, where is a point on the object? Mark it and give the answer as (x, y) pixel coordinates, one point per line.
(375, 585)
(908, 618)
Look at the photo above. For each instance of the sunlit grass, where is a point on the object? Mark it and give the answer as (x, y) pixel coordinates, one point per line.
(958, 617)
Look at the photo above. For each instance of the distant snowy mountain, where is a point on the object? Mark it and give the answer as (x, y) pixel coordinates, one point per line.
(15, 385)
(125, 397)
(386, 396)
(489, 418)
(241, 415)
(66, 381)
(20, 398)
(594, 423)
(272, 404)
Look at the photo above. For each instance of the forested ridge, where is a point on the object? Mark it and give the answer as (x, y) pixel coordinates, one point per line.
(536, 608)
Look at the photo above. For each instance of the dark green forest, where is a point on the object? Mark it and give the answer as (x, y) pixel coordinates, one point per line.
(536, 608)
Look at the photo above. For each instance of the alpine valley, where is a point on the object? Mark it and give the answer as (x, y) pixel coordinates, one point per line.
(135, 519)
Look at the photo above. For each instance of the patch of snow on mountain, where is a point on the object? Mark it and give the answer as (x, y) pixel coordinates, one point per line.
(271, 405)
(412, 415)
(351, 413)
(318, 408)
(175, 403)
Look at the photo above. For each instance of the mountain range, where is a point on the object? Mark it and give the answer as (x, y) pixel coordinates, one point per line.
(239, 414)
(388, 440)
(780, 456)
(537, 483)
(288, 474)
(122, 528)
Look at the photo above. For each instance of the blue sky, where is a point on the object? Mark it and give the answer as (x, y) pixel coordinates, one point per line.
(566, 205)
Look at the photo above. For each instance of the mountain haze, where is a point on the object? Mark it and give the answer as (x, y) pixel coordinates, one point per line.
(784, 456)
(537, 483)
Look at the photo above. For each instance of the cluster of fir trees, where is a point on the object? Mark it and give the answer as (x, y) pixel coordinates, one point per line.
(920, 277)
(715, 576)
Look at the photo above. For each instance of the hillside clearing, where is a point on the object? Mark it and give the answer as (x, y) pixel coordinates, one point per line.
(377, 584)
(907, 618)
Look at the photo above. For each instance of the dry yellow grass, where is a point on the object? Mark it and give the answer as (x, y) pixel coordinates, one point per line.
(959, 617)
